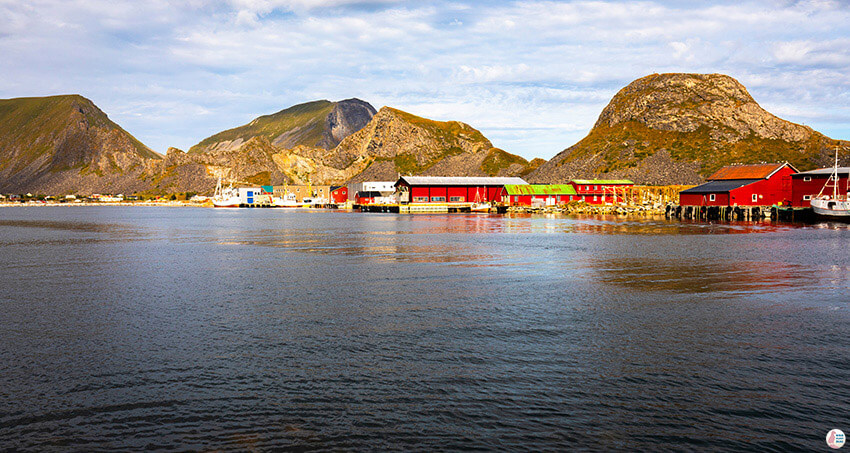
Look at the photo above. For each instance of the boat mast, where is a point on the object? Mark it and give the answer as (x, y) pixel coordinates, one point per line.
(835, 177)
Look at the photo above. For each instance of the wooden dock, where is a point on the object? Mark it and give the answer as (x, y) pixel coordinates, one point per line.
(739, 213)
(416, 208)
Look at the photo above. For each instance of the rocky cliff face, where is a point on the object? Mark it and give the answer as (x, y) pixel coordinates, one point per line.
(679, 128)
(346, 118)
(287, 146)
(65, 144)
(252, 162)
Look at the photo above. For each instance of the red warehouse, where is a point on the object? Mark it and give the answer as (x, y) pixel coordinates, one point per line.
(805, 185)
(600, 191)
(339, 194)
(743, 185)
(454, 189)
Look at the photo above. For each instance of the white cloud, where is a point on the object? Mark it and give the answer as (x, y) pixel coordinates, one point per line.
(532, 75)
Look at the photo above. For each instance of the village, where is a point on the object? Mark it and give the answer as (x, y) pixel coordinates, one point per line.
(735, 192)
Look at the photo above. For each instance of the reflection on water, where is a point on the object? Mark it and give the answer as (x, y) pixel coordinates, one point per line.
(200, 329)
(714, 276)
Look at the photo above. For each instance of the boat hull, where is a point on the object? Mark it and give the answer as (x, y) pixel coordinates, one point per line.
(831, 208)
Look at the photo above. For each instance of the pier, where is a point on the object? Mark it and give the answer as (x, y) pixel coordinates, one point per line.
(739, 213)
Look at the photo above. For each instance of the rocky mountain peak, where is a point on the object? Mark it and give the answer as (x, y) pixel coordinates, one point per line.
(687, 102)
(679, 128)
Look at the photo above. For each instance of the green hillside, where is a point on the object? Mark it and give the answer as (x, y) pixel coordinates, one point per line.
(307, 119)
(33, 126)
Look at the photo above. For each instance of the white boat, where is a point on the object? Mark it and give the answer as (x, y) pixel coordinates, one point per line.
(227, 197)
(836, 204)
(287, 201)
(477, 205)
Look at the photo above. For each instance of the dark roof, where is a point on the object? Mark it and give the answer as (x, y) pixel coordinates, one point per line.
(720, 186)
(753, 171)
(372, 194)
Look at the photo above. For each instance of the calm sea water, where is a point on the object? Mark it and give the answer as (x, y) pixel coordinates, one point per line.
(130, 328)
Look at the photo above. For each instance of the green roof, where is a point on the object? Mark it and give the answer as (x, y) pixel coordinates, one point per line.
(539, 189)
(602, 181)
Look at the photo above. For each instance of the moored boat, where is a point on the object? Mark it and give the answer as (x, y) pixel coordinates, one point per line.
(227, 197)
(835, 204)
(287, 201)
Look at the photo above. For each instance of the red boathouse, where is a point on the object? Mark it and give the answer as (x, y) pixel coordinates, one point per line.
(806, 185)
(339, 194)
(452, 189)
(743, 185)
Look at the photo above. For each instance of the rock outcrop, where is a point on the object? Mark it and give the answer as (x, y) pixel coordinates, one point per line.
(397, 142)
(679, 128)
(66, 144)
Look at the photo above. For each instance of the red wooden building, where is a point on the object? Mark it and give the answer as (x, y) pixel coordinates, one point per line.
(600, 191)
(743, 185)
(451, 189)
(339, 194)
(538, 194)
(806, 185)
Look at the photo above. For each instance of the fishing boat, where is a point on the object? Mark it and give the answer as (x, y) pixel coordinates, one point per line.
(287, 201)
(227, 197)
(477, 205)
(837, 203)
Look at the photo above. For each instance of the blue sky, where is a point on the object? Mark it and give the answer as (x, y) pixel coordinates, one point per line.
(532, 75)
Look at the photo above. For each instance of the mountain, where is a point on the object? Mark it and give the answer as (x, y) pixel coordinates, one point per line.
(294, 146)
(65, 144)
(271, 149)
(396, 142)
(680, 128)
(320, 124)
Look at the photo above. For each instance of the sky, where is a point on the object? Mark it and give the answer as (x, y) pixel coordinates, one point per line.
(533, 76)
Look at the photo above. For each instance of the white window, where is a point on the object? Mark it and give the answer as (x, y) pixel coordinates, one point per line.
(595, 198)
(420, 199)
(807, 178)
(456, 199)
(712, 197)
(755, 198)
(807, 197)
(595, 188)
(438, 199)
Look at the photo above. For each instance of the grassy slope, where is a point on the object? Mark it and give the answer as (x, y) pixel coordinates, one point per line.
(626, 144)
(497, 160)
(27, 122)
(448, 133)
(271, 126)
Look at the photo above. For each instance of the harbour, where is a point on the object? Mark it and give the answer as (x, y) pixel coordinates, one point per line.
(276, 329)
